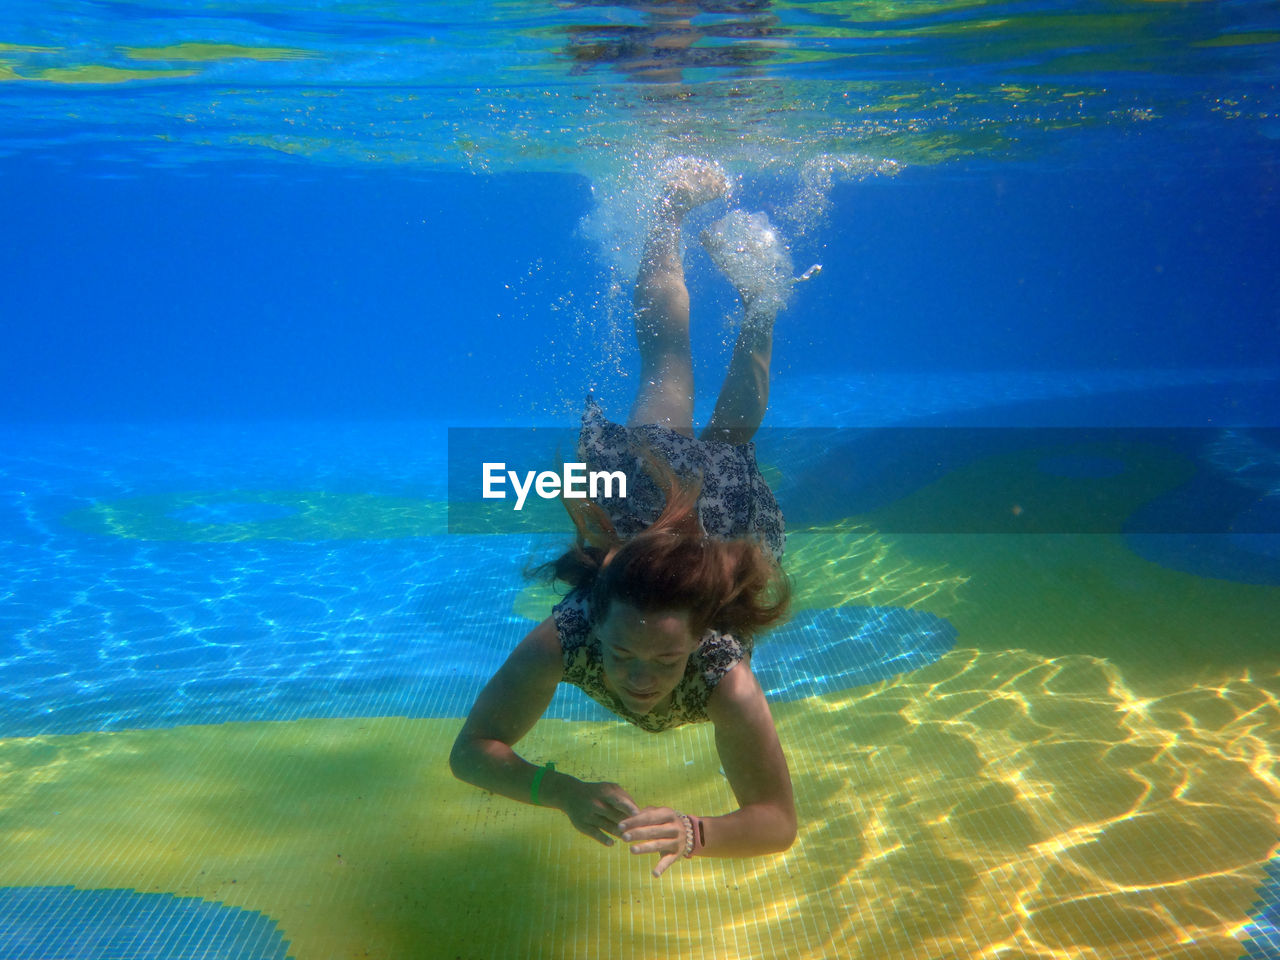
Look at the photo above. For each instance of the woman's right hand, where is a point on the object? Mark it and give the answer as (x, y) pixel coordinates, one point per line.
(595, 809)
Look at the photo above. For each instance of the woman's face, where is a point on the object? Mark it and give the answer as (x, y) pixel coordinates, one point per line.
(644, 654)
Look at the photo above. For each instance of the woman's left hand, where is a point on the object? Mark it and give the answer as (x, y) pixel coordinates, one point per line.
(655, 830)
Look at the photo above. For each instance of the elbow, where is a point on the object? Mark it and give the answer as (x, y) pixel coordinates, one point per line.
(459, 758)
(786, 837)
(788, 840)
(774, 831)
(787, 832)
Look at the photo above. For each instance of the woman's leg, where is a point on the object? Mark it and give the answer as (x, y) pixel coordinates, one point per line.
(744, 396)
(665, 395)
(750, 253)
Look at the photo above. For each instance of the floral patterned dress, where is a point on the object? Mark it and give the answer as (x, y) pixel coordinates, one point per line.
(734, 502)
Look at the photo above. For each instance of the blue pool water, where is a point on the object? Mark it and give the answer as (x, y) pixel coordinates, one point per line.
(260, 259)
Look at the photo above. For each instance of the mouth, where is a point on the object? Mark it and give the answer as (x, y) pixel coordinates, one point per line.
(641, 696)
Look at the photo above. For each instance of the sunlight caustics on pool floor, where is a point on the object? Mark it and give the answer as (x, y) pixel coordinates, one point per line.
(992, 798)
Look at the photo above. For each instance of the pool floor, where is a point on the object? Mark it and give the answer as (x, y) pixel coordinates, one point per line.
(226, 734)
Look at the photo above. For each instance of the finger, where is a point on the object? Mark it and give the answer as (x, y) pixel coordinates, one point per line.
(665, 831)
(653, 846)
(596, 835)
(608, 826)
(623, 800)
(624, 805)
(665, 862)
(648, 817)
(609, 815)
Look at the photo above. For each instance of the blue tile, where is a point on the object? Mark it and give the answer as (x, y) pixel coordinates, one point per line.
(63, 923)
(1263, 932)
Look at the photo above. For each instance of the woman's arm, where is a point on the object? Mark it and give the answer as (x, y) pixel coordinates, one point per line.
(506, 709)
(753, 761)
(765, 821)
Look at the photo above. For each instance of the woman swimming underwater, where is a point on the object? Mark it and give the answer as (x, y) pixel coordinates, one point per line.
(671, 584)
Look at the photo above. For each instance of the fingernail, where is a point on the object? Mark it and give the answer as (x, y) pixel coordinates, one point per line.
(626, 837)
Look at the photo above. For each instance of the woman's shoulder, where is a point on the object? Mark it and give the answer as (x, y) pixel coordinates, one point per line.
(718, 653)
(738, 695)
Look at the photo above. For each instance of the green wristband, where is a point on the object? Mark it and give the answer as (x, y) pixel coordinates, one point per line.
(537, 782)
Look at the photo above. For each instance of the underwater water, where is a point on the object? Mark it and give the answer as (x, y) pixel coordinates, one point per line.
(279, 276)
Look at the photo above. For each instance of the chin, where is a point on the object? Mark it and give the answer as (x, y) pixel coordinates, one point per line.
(642, 707)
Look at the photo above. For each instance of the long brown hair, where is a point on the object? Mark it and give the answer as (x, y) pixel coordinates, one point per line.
(734, 586)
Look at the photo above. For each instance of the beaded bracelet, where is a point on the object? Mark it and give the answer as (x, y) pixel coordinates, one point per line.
(693, 837)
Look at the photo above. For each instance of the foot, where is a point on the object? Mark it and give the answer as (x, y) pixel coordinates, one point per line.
(750, 252)
(689, 182)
